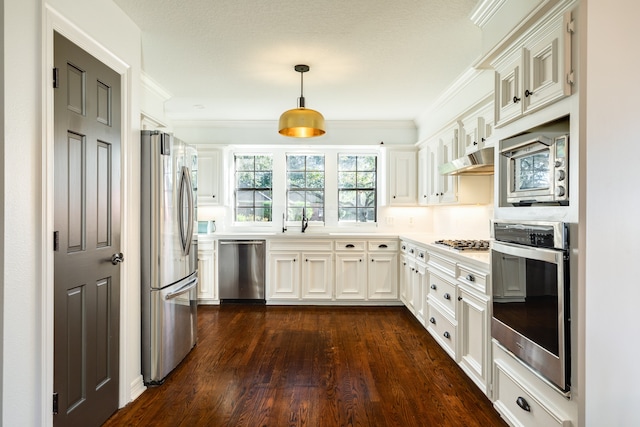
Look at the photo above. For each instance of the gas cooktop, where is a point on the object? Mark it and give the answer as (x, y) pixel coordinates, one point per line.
(465, 245)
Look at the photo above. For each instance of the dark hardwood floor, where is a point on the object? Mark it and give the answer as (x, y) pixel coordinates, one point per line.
(312, 366)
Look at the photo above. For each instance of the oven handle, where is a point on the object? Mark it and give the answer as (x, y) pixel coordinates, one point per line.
(540, 254)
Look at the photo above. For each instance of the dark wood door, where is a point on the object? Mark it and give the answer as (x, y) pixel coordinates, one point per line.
(87, 224)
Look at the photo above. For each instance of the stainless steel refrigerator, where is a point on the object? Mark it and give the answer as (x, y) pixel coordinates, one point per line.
(169, 253)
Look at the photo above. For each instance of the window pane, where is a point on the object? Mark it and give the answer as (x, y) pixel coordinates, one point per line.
(244, 163)
(263, 179)
(347, 163)
(264, 163)
(244, 214)
(263, 199)
(314, 214)
(263, 215)
(244, 180)
(315, 179)
(295, 198)
(347, 214)
(295, 163)
(366, 163)
(347, 198)
(294, 214)
(366, 215)
(346, 180)
(315, 198)
(366, 179)
(295, 180)
(315, 163)
(366, 198)
(244, 198)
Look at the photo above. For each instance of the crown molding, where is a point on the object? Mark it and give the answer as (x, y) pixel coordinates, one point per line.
(484, 11)
(153, 86)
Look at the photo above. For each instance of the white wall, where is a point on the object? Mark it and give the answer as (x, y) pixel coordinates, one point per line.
(26, 372)
(612, 224)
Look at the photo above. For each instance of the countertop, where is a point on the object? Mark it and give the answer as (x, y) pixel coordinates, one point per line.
(426, 240)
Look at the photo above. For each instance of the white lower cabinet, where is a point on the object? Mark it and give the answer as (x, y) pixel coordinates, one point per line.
(443, 329)
(474, 333)
(351, 276)
(284, 275)
(383, 276)
(317, 275)
(207, 287)
(522, 399)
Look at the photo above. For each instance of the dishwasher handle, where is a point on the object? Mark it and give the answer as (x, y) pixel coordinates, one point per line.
(241, 242)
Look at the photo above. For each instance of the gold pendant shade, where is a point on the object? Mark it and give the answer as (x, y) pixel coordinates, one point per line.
(301, 122)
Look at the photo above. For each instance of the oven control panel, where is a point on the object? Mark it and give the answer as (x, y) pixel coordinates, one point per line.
(551, 235)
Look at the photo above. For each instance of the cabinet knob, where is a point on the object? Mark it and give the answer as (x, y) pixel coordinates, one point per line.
(527, 93)
(470, 278)
(294, 260)
(433, 286)
(433, 320)
(523, 403)
(214, 196)
(515, 99)
(394, 197)
(360, 260)
(417, 271)
(459, 298)
(446, 335)
(424, 196)
(447, 296)
(306, 260)
(372, 260)
(475, 142)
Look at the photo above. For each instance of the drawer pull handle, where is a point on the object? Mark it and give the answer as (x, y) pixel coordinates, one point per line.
(471, 278)
(433, 286)
(523, 404)
(433, 320)
(383, 246)
(349, 246)
(447, 296)
(447, 335)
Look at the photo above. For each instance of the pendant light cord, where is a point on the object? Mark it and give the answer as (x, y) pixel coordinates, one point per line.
(301, 99)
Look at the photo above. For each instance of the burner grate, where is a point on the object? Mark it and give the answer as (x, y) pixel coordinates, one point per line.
(465, 245)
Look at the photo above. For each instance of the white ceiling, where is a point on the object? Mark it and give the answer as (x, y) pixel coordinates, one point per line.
(369, 59)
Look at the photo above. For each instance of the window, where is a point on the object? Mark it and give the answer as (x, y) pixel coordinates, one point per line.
(357, 199)
(305, 187)
(253, 192)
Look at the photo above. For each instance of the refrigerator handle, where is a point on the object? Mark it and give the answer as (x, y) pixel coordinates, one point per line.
(190, 285)
(184, 188)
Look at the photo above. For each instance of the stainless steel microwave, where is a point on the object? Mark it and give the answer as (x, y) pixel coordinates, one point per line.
(537, 169)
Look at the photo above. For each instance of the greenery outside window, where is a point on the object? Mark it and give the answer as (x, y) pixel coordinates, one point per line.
(357, 196)
(305, 187)
(253, 188)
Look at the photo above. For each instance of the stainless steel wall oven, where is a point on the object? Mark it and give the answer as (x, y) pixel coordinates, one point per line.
(530, 270)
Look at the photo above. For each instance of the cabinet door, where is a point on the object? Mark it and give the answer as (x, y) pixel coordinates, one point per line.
(208, 177)
(404, 278)
(470, 134)
(284, 275)
(449, 183)
(402, 178)
(543, 64)
(206, 273)
(508, 88)
(351, 276)
(473, 330)
(420, 300)
(423, 181)
(317, 276)
(433, 178)
(383, 276)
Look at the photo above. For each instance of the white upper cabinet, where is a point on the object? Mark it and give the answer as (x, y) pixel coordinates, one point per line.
(440, 150)
(209, 172)
(402, 182)
(535, 71)
(477, 127)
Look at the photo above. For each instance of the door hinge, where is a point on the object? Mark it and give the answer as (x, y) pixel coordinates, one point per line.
(571, 26)
(55, 78)
(570, 78)
(55, 403)
(56, 240)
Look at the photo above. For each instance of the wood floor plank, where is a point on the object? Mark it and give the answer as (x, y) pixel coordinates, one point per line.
(312, 366)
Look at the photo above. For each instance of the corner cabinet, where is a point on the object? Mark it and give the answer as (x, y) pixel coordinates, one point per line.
(209, 173)
(402, 178)
(535, 71)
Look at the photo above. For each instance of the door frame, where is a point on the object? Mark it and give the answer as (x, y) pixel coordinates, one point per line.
(130, 383)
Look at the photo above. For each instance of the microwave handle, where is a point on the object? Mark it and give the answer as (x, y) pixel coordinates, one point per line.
(540, 254)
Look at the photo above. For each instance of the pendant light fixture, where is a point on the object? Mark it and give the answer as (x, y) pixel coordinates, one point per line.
(301, 122)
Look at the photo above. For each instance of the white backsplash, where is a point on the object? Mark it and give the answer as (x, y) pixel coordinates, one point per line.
(462, 222)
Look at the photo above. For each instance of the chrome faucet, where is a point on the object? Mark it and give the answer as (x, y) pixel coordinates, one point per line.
(305, 220)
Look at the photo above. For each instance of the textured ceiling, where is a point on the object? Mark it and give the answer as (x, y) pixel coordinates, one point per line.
(369, 59)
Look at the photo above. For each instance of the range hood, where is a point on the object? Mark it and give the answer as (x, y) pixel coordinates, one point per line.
(477, 163)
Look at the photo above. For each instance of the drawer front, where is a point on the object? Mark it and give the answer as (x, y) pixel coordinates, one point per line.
(300, 245)
(421, 254)
(442, 329)
(444, 292)
(519, 406)
(350, 245)
(445, 264)
(382, 245)
(404, 247)
(473, 278)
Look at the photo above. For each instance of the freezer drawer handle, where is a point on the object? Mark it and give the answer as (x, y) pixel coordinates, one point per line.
(192, 284)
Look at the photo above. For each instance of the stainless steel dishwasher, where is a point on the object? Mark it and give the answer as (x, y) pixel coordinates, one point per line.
(241, 270)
